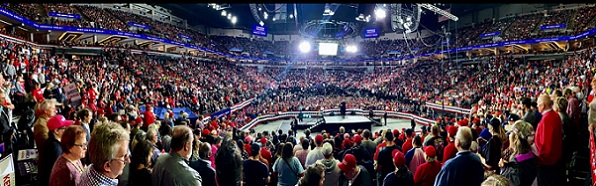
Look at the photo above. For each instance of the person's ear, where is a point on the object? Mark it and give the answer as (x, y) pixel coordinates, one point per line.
(106, 166)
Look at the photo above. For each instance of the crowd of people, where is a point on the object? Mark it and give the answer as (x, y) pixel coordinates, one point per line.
(527, 118)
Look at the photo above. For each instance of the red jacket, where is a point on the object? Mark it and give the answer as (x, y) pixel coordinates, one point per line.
(149, 118)
(449, 152)
(426, 173)
(549, 138)
(407, 145)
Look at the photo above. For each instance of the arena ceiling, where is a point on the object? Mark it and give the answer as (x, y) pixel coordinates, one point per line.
(201, 14)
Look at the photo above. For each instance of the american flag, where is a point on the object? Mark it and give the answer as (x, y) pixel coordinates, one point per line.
(443, 18)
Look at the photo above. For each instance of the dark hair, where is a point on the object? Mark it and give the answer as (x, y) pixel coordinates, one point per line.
(288, 151)
(292, 140)
(338, 143)
(69, 137)
(114, 117)
(305, 143)
(229, 164)
(140, 153)
(389, 135)
(417, 140)
(312, 175)
(307, 132)
(83, 113)
(283, 138)
(366, 134)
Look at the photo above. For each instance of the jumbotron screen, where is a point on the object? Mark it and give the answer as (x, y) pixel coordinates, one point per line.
(328, 49)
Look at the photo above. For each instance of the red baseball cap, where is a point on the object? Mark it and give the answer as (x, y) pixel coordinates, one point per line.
(206, 132)
(358, 139)
(395, 133)
(58, 121)
(430, 151)
(319, 138)
(348, 163)
(263, 141)
(398, 158)
(452, 130)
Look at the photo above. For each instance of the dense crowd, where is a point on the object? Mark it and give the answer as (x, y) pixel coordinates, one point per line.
(512, 28)
(527, 118)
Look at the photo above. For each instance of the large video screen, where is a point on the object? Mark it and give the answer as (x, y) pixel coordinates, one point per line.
(328, 49)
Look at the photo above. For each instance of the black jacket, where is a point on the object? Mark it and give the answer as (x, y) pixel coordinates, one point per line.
(205, 170)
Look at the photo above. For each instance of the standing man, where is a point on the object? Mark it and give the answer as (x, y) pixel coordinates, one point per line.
(548, 144)
(385, 117)
(171, 168)
(465, 169)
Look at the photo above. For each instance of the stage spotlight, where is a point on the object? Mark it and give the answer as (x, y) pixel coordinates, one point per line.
(229, 16)
(265, 15)
(261, 23)
(380, 13)
(291, 16)
(351, 49)
(304, 47)
(224, 13)
(234, 20)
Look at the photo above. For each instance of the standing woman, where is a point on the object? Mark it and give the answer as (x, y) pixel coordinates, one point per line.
(68, 167)
(491, 153)
(520, 166)
(288, 168)
(51, 148)
(140, 174)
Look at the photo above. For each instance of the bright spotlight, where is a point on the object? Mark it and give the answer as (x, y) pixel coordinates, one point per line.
(291, 16)
(273, 19)
(351, 49)
(265, 15)
(224, 13)
(304, 47)
(229, 16)
(261, 23)
(234, 20)
(380, 13)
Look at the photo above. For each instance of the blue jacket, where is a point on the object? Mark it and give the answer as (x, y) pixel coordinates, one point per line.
(463, 170)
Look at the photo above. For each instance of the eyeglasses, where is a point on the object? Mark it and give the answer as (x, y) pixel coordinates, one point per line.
(84, 145)
(125, 159)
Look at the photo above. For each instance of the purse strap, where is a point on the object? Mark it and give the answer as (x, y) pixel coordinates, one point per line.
(290, 167)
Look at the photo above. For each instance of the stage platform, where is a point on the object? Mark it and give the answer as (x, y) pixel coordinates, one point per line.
(332, 123)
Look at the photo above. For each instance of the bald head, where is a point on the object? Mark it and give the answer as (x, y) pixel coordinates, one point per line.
(544, 103)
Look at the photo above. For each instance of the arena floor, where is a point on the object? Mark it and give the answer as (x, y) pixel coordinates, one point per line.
(391, 124)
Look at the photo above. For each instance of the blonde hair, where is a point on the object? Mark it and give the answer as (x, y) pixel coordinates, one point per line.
(496, 180)
(105, 142)
(520, 132)
(560, 104)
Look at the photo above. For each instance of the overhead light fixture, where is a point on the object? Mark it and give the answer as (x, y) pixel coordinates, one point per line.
(380, 12)
(351, 49)
(265, 15)
(328, 11)
(224, 13)
(229, 16)
(260, 9)
(304, 47)
(291, 16)
(234, 20)
(273, 18)
(261, 23)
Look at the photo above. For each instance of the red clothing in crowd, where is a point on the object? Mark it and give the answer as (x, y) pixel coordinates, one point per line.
(149, 118)
(426, 173)
(247, 148)
(449, 152)
(549, 138)
(379, 147)
(38, 95)
(407, 145)
(266, 154)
